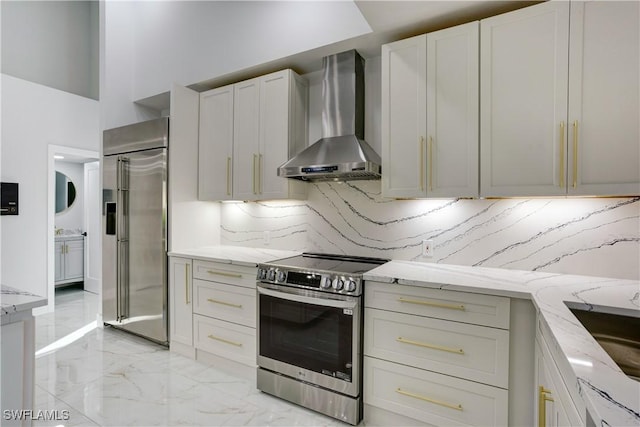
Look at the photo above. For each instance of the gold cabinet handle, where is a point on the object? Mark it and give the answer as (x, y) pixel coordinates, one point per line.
(422, 163)
(230, 304)
(542, 405)
(562, 150)
(575, 154)
(457, 407)
(430, 157)
(259, 173)
(224, 273)
(432, 304)
(186, 284)
(431, 346)
(228, 176)
(226, 341)
(255, 159)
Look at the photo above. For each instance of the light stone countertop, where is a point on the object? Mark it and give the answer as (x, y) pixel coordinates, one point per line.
(237, 255)
(14, 302)
(610, 397)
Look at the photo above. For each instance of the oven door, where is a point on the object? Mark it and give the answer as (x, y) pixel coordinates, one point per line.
(309, 337)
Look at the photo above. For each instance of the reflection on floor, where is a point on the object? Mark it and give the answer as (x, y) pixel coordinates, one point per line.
(108, 377)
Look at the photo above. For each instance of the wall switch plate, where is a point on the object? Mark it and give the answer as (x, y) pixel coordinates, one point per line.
(266, 237)
(427, 248)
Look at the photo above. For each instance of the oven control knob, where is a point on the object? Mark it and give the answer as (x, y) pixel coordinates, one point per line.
(262, 274)
(337, 284)
(272, 275)
(281, 276)
(326, 283)
(350, 286)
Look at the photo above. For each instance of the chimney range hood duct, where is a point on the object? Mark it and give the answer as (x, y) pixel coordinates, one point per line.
(342, 154)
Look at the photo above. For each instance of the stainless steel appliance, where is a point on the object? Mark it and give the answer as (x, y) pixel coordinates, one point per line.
(134, 221)
(342, 153)
(310, 331)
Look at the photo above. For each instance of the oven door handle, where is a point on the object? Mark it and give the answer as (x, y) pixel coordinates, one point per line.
(308, 300)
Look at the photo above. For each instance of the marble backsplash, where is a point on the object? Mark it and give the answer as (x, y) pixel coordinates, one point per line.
(590, 236)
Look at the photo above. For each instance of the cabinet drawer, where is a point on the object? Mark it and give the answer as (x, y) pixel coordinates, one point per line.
(440, 399)
(225, 302)
(225, 339)
(465, 307)
(225, 273)
(467, 351)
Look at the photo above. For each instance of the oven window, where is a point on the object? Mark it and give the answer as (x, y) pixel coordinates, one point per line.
(310, 336)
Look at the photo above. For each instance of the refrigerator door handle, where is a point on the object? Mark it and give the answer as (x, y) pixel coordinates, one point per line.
(122, 230)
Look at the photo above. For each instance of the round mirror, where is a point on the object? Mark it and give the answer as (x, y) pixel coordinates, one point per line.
(65, 192)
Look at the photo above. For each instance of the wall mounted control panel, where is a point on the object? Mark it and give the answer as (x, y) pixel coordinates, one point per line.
(8, 198)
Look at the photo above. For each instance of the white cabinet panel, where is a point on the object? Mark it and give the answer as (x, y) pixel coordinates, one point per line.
(438, 399)
(604, 93)
(404, 103)
(180, 301)
(523, 82)
(452, 111)
(74, 260)
(228, 340)
(225, 302)
(215, 157)
(467, 351)
(246, 143)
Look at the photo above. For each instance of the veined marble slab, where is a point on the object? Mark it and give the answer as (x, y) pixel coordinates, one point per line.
(612, 398)
(14, 301)
(238, 255)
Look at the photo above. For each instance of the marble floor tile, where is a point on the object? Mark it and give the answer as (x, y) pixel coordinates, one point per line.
(107, 377)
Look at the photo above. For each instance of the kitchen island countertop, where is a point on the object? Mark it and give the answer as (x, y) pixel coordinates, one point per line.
(248, 257)
(610, 397)
(14, 301)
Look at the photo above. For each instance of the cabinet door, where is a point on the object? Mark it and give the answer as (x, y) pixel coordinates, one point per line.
(604, 88)
(246, 145)
(180, 301)
(59, 260)
(523, 107)
(404, 103)
(74, 259)
(274, 134)
(452, 111)
(215, 168)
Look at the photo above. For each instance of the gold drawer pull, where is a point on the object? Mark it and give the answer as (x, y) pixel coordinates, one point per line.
(432, 304)
(237, 344)
(225, 274)
(562, 150)
(428, 399)
(422, 163)
(432, 346)
(542, 405)
(230, 304)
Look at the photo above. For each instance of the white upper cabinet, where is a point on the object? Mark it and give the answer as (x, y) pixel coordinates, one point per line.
(246, 144)
(430, 114)
(604, 90)
(560, 100)
(247, 130)
(404, 114)
(452, 111)
(215, 165)
(523, 86)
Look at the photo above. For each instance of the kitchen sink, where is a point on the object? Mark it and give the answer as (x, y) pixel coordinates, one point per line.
(617, 334)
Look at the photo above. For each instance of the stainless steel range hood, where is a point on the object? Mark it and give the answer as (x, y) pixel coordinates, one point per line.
(342, 154)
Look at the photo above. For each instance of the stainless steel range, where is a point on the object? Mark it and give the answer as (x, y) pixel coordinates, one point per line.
(310, 331)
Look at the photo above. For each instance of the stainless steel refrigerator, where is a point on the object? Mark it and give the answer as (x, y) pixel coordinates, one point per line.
(134, 221)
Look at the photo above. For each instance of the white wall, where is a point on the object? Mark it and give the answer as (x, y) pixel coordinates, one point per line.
(34, 117)
(73, 217)
(148, 46)
(53, 43)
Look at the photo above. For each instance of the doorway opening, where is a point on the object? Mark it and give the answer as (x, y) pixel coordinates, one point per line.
(74, 255)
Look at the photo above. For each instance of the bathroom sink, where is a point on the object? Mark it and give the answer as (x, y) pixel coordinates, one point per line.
(617, 334)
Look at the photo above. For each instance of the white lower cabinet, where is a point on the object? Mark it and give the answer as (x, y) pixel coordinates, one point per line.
(221, 310)
(424, 359)
(431, 397)
(180, 302)
(553, 402)
(69, 260)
